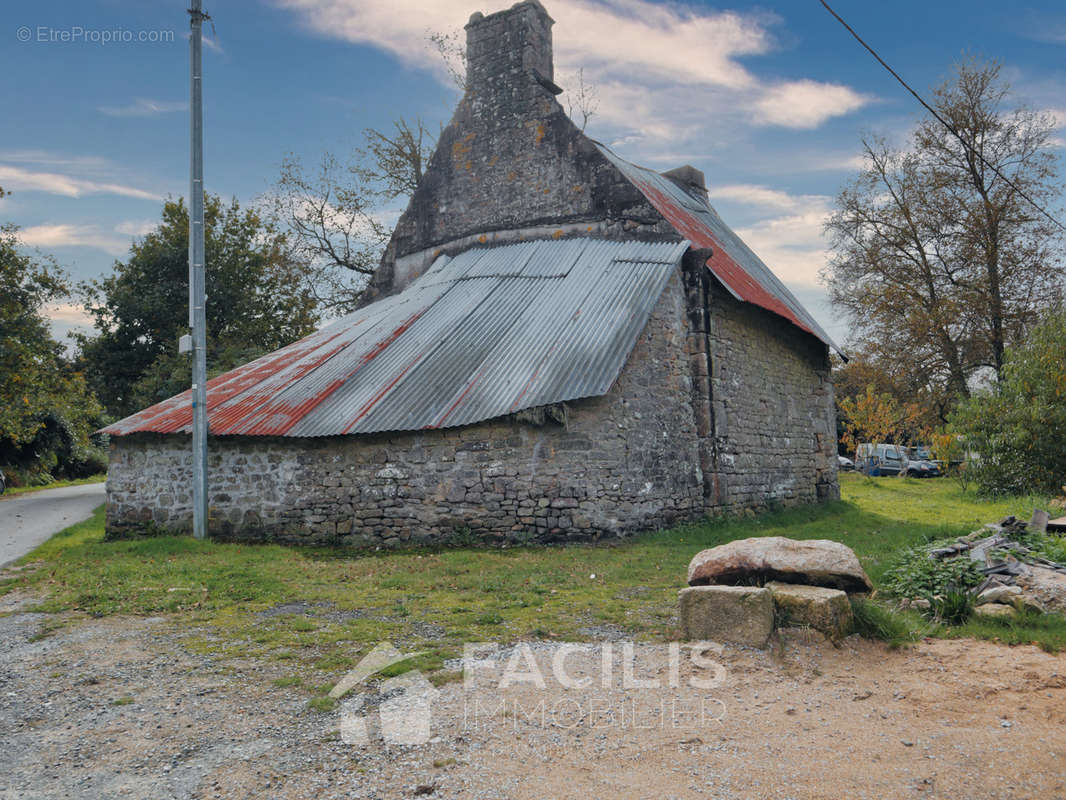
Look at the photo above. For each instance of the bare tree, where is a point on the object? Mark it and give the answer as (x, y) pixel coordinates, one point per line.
(1009, 243)
(582, 101)
(333, 213)
(331, 223)
(452, 53)
(394, 164)
(938, 261)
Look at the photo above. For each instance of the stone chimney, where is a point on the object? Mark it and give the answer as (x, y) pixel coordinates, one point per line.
(688, 177)
(509, 57)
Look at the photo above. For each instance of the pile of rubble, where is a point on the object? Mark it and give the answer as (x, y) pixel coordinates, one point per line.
(1016, 576)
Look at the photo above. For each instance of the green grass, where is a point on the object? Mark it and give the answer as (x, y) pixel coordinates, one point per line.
(1044, 630)
(434, 601)
(876, 621)
(13, 490)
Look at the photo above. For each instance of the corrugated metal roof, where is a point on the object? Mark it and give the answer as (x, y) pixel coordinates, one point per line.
(487, 333)
(738, 268)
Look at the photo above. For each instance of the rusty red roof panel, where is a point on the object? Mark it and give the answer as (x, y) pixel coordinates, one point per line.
(734, 264)
(485, 334)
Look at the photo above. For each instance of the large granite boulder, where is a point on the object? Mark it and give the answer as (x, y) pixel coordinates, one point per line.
(816, 562)
(735, 614)
(827, 611)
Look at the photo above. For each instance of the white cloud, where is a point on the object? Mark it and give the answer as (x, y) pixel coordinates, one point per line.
(792, 245)
(137, 227)
(142, 107)
(753, 195)
(805, 103)
(1058, 115)
(681, 64)
(66, 319)
(45, 158)
(675, 43)
(20, 179)
(69, 313)
(49, 236)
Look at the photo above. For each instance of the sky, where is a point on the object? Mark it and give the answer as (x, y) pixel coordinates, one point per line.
(769, 100)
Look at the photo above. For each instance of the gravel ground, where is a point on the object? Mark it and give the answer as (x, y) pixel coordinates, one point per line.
(118, 707)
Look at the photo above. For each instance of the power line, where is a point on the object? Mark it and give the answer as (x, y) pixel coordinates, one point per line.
(951, 128)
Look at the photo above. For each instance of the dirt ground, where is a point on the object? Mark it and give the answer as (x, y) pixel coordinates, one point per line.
(117, 707)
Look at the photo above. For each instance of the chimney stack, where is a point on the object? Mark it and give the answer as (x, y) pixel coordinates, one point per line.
(688, 177)
(509, 56)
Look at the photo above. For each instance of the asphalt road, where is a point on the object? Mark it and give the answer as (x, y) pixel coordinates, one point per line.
(26, 520)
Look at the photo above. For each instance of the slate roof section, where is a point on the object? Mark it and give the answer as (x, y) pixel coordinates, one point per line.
(488, 333)
(734, 263)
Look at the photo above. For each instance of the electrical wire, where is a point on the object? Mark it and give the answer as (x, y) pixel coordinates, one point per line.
(951, 128)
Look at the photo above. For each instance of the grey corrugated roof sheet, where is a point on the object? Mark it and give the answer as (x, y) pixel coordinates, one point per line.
(488, 333)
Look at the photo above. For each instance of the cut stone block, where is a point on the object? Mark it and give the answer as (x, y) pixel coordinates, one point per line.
(736, 614)
(827, 611)
(994, 610)
(998, 594)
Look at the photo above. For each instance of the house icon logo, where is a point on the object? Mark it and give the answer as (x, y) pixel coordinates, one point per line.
(405, 713)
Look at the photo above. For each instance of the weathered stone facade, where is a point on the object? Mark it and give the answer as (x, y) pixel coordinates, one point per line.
(773, 410)
(721, 406)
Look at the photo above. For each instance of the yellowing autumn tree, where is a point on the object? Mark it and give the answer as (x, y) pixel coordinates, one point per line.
(876, 417)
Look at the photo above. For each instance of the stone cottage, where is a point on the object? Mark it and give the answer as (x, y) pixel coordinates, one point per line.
(558, 344)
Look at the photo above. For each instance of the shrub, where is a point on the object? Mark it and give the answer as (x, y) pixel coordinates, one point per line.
(914, 574)
(1018, 429)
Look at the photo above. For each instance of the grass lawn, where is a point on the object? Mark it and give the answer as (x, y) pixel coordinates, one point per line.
(317, 609)
(54, 485)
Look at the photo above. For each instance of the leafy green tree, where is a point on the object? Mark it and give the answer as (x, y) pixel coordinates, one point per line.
(258, 299)
(47, 412)
(1018, 429)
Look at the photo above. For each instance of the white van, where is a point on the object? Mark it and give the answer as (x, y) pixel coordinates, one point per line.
(881, 459)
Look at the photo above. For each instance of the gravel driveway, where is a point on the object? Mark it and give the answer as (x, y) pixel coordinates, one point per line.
(119, 707)
(27, 520)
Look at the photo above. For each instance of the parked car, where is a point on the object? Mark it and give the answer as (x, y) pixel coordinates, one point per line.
(880, 459)
(844, 463)
(920, 465)
(894, 459)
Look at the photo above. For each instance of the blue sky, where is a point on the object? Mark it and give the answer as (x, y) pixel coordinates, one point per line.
(769, 100)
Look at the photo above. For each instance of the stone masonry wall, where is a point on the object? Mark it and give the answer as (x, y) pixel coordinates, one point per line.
(623, 462)
(772, 409)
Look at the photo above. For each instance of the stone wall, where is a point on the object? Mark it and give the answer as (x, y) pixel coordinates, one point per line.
(772, 409)
(624, 462)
